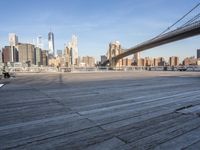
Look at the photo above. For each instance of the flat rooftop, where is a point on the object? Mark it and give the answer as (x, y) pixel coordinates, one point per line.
(101, 111)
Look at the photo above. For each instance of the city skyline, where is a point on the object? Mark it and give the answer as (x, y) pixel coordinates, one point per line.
(101, 24)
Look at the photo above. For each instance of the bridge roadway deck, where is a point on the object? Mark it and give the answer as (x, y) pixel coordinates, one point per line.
(101, 111)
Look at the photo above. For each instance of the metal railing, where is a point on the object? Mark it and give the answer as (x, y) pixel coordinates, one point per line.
(15, 70)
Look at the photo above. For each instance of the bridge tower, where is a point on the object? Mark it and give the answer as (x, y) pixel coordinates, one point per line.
(114, 50)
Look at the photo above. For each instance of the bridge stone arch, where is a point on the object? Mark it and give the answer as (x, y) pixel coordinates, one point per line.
(114, 50)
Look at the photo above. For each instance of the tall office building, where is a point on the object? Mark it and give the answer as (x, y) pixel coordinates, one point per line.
(39, 42)
(51, 43)
(71, 52)
(38, 56)
(198, 53)
(159, 61)
(7, 54)
(10, 54)
(26, 53)
(67, 56)
(74, 44)
(13, 41)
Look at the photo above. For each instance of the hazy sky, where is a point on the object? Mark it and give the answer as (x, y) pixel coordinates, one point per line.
(97, 22)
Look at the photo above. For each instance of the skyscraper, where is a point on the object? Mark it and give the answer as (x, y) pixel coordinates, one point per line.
(71, 52)
(7, 54)
(10, 54)
(13, 41)
(67, 56)
(38, 56)
(75, 47)
(39, 42)
(51, 43)
(198, 53)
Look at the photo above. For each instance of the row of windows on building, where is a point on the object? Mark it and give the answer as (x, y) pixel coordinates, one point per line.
(29, 55)
(66, 61)
(115, 49)
(26, 54)
(160, 61)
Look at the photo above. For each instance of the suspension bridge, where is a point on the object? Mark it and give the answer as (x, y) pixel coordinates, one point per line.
(188, 29)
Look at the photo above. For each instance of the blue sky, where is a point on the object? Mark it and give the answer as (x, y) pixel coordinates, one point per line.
(97, 22)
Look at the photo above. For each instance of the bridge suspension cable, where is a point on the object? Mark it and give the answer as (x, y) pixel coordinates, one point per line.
(190, 21)
(194, 19)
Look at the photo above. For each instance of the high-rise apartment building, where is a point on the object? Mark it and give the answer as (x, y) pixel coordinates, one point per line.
(173, 61)
(126, 62)
(198, 53)
(148, 61)
(26, 53)
(141, 62)
(51, 43)
(67, 56)
(159, 61)
(10, 54)
(190, 61)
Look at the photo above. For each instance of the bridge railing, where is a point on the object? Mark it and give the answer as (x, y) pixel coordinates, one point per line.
(100, 69)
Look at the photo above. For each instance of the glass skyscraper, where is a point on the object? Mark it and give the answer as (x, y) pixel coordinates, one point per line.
(51, 43)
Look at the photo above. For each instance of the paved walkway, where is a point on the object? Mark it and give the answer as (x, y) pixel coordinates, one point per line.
(101, 111)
